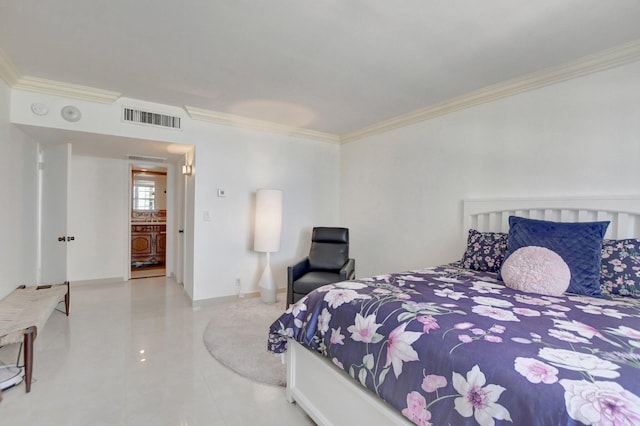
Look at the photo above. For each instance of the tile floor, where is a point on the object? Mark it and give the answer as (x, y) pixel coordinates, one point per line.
(131, 353)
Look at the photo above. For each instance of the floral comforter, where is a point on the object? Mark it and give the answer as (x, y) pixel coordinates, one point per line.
(448, 345)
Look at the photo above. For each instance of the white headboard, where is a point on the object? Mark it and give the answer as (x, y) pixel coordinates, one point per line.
(493, 215)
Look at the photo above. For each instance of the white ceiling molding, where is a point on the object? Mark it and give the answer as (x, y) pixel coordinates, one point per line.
(67, 90)
(249, 123)
(610, 58)
(8, 71)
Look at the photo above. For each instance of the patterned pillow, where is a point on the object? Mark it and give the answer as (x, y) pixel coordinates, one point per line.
(620, 267)
(485, 251)
(579, 244)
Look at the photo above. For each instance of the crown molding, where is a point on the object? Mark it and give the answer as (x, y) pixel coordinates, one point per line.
(261, 125)
(8, 71)
(67, 90)
(606, 59)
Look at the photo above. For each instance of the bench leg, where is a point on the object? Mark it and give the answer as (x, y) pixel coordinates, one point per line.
(67, 299)
(29, 336)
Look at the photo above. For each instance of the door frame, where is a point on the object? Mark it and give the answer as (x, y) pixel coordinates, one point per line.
(171, 229)
(180, 216)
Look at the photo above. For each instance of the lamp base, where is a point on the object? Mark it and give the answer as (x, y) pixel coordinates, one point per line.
(267, 284)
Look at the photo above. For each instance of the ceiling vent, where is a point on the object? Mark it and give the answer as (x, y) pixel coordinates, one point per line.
(147, 159)
(151, 118)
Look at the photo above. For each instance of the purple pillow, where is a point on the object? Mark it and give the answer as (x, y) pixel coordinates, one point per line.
(620, 267)
(485, 251)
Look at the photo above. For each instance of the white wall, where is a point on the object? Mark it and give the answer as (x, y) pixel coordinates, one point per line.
(18, 210)
(401, 191)
(239, 161)
(97, 201)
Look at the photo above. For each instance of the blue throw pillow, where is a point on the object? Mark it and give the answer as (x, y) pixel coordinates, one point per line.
(579, 244)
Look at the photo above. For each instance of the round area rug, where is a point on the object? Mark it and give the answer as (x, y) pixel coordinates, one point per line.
(237, 336)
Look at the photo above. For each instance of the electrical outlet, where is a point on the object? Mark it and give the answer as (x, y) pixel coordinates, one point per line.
(237, 282)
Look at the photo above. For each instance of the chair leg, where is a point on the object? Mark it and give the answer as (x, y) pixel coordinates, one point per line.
(29, 336)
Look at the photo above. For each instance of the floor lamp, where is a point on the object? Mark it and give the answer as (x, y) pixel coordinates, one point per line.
(268, 224)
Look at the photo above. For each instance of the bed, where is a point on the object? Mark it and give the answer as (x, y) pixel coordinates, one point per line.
(453, 345)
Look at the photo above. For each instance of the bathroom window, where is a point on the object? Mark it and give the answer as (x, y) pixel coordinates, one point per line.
(144, 195)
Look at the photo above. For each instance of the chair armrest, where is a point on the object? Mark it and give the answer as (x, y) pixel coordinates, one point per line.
(348, 270)
(296, 271)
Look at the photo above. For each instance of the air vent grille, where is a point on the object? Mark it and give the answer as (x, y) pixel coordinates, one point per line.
(147, 159)
(154, 119)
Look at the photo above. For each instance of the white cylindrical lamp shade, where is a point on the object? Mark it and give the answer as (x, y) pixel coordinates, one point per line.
(268, 220)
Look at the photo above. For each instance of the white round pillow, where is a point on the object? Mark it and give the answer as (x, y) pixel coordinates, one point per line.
(536, 270)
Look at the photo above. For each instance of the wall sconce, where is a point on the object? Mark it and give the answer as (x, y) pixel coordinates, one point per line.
(187, 169)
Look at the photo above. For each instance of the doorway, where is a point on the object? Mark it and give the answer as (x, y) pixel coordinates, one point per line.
(148, 222)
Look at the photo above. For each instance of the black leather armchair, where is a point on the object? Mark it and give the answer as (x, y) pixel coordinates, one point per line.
(328, 262)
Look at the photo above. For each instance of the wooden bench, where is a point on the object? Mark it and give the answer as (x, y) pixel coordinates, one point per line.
(24, 311)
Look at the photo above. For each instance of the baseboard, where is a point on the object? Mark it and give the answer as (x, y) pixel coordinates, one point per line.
(221, 299)
(97, 281)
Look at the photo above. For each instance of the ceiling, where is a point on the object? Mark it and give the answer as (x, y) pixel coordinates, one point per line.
(333, 66)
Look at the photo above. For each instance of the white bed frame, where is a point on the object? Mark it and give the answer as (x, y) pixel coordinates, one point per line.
(330, 397)
(493, 215)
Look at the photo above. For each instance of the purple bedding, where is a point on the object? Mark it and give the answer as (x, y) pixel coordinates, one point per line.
(448, 345)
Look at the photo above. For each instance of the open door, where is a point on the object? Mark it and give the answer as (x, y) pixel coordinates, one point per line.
(54, 209)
